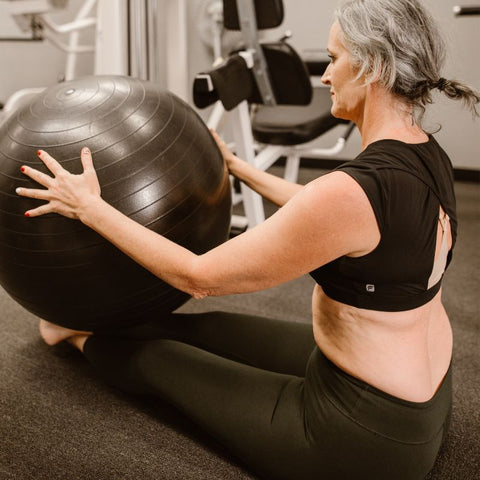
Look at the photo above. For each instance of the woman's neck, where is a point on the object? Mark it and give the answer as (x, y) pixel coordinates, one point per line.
(385, 117)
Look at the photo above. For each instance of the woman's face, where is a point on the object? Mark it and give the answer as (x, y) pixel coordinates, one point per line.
(348, 94)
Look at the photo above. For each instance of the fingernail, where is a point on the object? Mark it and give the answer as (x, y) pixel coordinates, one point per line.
(18, 190)
(22, 169)
(26, 214)
(85, 150)
(39, 152)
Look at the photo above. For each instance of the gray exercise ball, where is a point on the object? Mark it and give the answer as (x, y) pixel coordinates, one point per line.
(156, 162)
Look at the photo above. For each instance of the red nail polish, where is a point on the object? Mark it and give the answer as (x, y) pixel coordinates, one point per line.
(27, 214)
(22, 169)
(39, 152)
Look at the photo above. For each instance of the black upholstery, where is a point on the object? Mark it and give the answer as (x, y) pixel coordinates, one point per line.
(233, 81)
(301, 113)
(269, 14)
(294, 125)
(288, 74)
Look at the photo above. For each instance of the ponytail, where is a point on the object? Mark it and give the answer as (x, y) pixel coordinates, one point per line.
(421, 95)
(459, 91)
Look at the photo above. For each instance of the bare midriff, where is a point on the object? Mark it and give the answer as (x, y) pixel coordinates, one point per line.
(405, 354)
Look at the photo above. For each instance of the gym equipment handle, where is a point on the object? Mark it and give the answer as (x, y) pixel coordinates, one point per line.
(461, 11)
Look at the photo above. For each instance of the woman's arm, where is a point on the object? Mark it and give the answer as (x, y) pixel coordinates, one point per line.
(275, 189)
(328, 218)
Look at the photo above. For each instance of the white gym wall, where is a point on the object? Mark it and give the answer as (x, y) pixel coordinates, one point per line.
(39, 64)
(310, 20)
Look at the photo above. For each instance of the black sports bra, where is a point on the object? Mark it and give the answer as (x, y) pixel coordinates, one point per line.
(406, 185)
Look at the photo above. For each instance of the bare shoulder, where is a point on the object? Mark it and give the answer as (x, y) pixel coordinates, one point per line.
(339, 206)
(335, 184)
(328, 218)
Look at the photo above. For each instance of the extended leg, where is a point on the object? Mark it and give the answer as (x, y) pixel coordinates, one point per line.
(258, 415)
(276, 345)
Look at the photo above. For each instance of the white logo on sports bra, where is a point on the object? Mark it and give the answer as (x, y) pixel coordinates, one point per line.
(370, 288)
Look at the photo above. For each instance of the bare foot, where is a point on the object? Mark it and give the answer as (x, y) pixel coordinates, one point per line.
(53, 334)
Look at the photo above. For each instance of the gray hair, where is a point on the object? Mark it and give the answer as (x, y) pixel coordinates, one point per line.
(398, 43)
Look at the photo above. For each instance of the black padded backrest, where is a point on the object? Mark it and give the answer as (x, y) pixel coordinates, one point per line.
(233, 81)
(269, 14)
(288, 75)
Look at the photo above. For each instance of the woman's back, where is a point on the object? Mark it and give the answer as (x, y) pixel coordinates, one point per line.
(381, 310)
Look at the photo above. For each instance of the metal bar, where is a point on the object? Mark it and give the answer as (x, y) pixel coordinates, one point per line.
(177, 48)
(71, 62)
(252, 201)
(112, 38)
(138, 40)
(77, 24)
(248, 26)
(292, 165)
(66, 48)
(462, 11)
(153, 43)
(216, 116)
(322, 152)
(268, 156)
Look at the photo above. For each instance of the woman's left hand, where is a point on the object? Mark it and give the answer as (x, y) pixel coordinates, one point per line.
(66, 193)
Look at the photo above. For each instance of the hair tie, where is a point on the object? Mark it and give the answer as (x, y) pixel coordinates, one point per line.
(441, 84)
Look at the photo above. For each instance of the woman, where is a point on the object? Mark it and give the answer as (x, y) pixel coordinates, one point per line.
(368, 394)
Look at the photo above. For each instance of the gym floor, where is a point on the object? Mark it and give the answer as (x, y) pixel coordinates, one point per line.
(58, 420)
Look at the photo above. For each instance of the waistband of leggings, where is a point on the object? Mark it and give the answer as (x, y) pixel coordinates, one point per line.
(378, 411)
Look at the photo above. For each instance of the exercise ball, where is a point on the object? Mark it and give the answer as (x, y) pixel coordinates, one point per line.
(156, 162)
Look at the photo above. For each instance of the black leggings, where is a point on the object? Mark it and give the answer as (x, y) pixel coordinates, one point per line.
(265, 391)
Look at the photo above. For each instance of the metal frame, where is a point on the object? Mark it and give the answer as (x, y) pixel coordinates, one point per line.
(248, 26)
(463, 11)
(259, 155)
(111, 39)
(126, 37)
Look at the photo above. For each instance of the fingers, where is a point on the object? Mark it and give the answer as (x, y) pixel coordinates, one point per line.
(33, 193)
(50, 162)
(64, 191)
(216, 137)
(39, 195)
(39, 177)
(41, 210)
(87, 161)
(89, 171)
(55, 167)
(220, 143)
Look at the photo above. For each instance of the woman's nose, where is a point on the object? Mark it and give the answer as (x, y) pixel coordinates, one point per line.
(325, 79)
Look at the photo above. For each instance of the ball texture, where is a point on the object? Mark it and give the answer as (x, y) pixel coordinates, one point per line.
(156, 162)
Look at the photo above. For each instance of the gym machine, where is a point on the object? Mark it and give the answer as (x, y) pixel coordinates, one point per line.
(273, 109)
